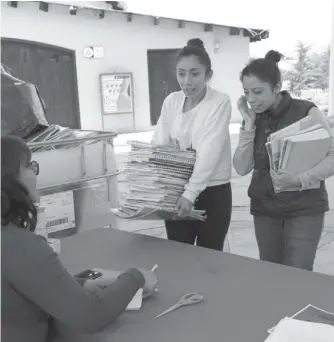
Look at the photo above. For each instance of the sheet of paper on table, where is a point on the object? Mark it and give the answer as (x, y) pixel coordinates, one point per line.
(136, 302)
(311, 313)
(292, 330)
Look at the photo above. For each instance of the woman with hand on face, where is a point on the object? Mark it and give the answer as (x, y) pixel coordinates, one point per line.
(288, 224)
(198, 117)
(36, 288)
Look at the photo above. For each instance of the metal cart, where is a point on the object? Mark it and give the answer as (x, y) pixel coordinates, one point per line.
(77, 183)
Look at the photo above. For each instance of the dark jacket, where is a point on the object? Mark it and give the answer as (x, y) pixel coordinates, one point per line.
(264, 200)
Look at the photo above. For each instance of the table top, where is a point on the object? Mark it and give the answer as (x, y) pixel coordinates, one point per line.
(243, 297)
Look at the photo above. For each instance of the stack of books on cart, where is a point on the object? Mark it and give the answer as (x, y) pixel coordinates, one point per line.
(56, 133)
(155, 177)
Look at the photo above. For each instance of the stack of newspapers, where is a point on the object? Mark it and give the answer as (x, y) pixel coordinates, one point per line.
(54, 133)
(300, 146)
(155, 178)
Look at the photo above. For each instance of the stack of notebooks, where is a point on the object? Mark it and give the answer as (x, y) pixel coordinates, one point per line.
(155, 179)
(300, 146)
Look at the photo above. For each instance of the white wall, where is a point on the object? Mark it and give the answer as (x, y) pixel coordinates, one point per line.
(125, 46)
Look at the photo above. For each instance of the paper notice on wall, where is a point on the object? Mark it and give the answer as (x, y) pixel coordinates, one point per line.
(59, 211)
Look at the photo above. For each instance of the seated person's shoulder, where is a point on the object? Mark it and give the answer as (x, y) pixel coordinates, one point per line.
(21, 243)
(14, 234)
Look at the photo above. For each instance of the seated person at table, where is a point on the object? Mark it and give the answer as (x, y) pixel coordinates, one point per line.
(36, 288)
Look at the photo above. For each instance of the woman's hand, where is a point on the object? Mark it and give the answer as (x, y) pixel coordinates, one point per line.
(247, 113)
(284, 180)
(108, 277)
(184, 207)
(151, 282)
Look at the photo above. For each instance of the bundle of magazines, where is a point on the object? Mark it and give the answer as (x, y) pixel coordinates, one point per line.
(56, 134)
(155, 179)
(301, 146)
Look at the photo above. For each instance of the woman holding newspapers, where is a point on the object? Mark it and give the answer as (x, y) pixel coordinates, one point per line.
(288, 196)
(197, 117)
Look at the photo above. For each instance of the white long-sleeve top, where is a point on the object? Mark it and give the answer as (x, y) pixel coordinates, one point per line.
(205, 129)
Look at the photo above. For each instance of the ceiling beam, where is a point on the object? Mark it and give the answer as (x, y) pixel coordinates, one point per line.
(182, 24)
(12, 4)
(156, 21)
(44, 6)
(208, 27)
(234, 31)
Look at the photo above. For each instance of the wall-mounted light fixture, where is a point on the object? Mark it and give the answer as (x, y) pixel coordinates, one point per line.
(73, 10)
(217, 45)
(101, 14)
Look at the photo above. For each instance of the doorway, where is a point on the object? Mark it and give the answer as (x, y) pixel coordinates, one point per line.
(53, 70)
(162, 79)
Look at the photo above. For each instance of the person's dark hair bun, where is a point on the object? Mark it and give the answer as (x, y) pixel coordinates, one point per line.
(273, 56)
(196, 42)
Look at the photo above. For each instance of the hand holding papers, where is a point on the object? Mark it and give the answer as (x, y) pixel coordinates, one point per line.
(284, 180)
(299, 147)
(184, 207)
(155, 177)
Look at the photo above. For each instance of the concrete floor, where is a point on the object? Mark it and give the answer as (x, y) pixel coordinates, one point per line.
(241, 239)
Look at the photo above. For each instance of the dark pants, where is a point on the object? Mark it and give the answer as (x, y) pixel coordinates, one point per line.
(217, 202)
(291, 242)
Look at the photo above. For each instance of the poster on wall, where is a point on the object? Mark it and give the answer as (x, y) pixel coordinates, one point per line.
(116, 93)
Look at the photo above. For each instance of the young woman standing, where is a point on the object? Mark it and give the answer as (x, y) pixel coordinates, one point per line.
(198, 117)
(288, 224)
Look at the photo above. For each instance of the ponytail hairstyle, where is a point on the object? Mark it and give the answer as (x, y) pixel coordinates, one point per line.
(195, 47)
(266, 69)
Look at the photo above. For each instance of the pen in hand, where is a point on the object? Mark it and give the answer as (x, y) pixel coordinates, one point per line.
(154, 268)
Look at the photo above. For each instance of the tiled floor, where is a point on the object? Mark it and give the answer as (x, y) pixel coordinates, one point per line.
(241, 239)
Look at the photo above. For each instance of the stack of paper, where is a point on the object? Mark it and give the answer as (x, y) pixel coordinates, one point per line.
(136, 301)
(155, 177)
(311, 313)
(292, 330)
(300, 146)
(56, 133)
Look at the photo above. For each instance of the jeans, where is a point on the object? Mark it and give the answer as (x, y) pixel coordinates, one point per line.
(291, 242)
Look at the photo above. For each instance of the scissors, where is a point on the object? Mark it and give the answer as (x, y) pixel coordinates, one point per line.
(188, 299)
